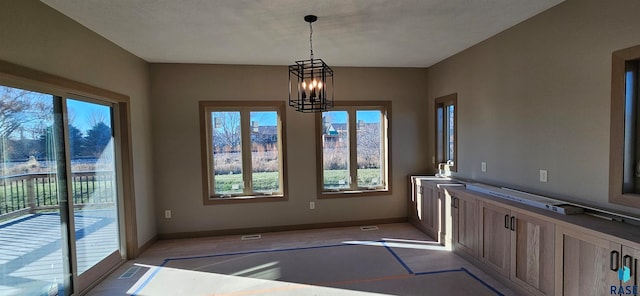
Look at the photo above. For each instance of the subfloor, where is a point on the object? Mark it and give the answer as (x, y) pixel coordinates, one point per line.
(394, 259)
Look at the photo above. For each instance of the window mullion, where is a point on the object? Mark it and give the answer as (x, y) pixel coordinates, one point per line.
(353, 149)
(245, 134)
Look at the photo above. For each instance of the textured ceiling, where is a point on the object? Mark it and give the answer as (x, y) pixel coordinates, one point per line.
(381, 33)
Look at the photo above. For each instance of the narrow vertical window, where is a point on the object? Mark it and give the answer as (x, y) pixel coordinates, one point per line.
(624, 149)
(265, 153)
(335, 150)
(445, 131)
(227, 153)
(353, 149)
(631, 177)
(243, 155)
(369, 149)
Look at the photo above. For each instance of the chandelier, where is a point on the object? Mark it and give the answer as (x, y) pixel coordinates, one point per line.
(310, 81)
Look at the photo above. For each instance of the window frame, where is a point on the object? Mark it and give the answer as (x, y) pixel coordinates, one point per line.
(617, 133)
(17, 76)
(206, 132)
(352, 107)
(440, 141)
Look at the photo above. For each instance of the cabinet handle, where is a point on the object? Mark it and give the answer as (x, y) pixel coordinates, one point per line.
(453, 202)
(611, 260)
(513, 223)
(624, 263)
(506, 221)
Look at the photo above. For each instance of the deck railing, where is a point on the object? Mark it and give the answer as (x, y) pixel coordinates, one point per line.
(24, 193)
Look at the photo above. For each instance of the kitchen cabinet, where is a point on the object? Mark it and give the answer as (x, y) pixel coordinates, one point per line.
(538, 252)
(431, 209)
(427, 206)
(518, 246)
(629, 258)
(495, 237)
(464, 211)
(415, 201)
(532, 253)
(590, 263)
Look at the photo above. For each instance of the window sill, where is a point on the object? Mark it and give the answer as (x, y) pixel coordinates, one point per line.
(353, 193)
(244, 199)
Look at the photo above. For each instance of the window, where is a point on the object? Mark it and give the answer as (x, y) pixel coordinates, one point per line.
(446, 135)
(353, 149)
(243, 155)
(624, 168)
(65, 164)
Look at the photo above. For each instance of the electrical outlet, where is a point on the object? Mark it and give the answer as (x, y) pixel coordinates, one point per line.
(167, 214)
(312, 205)
(484, 166)
(543, 176)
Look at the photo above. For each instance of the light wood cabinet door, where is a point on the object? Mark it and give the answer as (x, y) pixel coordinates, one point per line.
(430, 209)
(585, 264)
(465, 224)
(532, 254)
(631, 259)
(415, 203)
(495, 237)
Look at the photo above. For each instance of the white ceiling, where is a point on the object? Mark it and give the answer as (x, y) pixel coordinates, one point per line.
(381, 33)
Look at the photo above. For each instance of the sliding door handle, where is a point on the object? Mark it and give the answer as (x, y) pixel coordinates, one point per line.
(612, 260)
(506, 221)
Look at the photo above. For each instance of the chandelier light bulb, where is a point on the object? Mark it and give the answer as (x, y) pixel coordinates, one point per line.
(304, 85)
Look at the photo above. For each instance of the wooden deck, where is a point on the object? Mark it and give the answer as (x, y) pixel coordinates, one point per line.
(31, 260)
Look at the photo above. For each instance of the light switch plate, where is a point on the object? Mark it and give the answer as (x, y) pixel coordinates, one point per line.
(484, 166)
(543, 176)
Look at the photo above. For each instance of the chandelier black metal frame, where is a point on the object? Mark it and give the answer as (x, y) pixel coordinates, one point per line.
(311, 81)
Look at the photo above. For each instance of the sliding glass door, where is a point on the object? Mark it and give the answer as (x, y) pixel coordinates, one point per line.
(59, 201)
(94, 187)
(34, 213)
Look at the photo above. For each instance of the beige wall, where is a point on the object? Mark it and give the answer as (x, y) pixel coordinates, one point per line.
(36, 36)
(176, 90)
(537, 96)
(533, 97)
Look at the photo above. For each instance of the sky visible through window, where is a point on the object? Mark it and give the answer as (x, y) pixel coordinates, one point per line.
(265, 118)
(372, 116)
(82, 114)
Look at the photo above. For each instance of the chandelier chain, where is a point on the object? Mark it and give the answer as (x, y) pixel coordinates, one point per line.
(311, 39)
